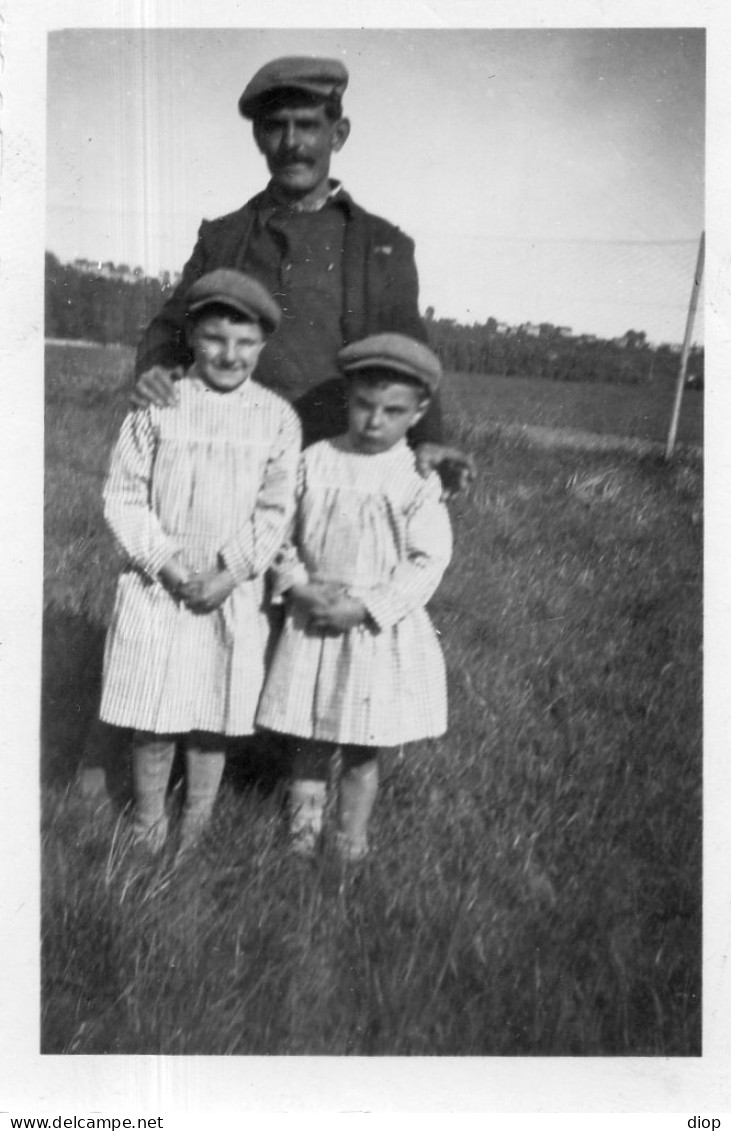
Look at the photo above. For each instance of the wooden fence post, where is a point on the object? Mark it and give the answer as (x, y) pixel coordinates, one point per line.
(692, 307)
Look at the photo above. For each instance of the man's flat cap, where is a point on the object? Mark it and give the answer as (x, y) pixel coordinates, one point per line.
(320, 78)
(396, 353)
(226, 287)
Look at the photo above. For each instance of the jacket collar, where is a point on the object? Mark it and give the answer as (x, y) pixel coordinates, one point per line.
(266, 203)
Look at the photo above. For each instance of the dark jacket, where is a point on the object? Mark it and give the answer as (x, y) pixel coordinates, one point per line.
(380, 283)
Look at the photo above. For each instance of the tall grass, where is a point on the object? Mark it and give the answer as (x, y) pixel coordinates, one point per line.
(535, 887)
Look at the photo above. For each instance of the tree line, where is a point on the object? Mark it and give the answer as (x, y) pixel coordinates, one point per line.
(82, 305)
(549, 352)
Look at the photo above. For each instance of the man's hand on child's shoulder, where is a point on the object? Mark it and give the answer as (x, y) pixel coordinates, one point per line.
(456, 469)
(156, 386)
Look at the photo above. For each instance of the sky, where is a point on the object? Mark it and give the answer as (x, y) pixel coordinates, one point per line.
(545, 175)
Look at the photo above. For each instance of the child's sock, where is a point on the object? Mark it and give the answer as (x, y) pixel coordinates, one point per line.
(357, 795)
(306, 805)
(203, 772)
(152, 761)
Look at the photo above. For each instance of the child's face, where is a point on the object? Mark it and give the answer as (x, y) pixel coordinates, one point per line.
(380, 414)
(226, 351)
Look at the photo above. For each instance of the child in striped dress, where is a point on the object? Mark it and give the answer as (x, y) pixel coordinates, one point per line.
(200, 496)
(358, 665)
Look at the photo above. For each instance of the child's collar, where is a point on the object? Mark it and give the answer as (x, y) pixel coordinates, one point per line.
(201, 383)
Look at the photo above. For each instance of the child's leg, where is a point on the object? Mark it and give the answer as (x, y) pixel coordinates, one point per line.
(311, 762)
(357, 794)
(152, 761)
(205, 758)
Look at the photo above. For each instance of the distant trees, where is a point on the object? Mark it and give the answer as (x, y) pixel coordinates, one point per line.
(554, 353)
(118, 306)
(83, 305)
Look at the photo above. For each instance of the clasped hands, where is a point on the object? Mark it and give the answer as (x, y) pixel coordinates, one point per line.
(199, 592)
(329, 606)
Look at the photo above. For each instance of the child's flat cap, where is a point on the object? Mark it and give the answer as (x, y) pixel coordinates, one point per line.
(320, 78)
(396, 353)
(242, 293)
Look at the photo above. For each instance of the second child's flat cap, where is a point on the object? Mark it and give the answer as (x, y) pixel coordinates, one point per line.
(396, 353)
(320, 78)
(234, 289)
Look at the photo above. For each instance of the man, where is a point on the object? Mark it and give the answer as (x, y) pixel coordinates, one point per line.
(338, 272)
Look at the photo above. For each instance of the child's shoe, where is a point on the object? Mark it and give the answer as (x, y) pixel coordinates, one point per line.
(350, 850)
(303, 844)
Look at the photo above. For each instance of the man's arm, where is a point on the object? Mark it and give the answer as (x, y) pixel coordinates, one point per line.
(163, 342)
(392, 303)
(400, 313)
(163, 353)
(220, 243)
(398, 304)
(430, 429)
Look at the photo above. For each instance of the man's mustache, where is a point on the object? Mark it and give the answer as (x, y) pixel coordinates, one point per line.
(293, 158)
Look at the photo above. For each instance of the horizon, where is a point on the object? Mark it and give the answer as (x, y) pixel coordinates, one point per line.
(174, 277)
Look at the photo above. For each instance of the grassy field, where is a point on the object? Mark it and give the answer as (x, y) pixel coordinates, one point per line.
(536, 882)
(640, 412)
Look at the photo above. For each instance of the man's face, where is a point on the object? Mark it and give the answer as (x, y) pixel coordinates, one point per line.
(226, 351)
(381, 413)
(298, 142)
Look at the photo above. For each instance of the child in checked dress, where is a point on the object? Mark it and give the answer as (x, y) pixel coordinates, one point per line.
(200, 496)
(358, 665)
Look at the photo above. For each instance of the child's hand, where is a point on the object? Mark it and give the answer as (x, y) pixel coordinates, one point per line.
(340, 615)
(315, 596)
(207, 591)
(174, 575)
